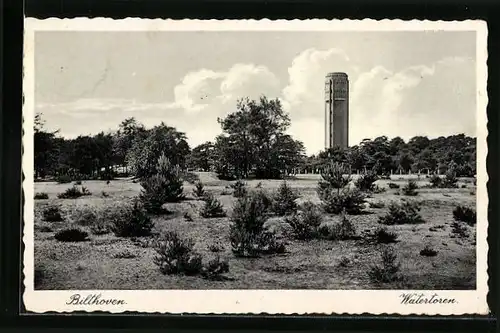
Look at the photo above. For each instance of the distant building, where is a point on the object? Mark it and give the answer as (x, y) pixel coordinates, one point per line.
(336, 110)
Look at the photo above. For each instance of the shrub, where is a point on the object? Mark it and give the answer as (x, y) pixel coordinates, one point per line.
(284, 200)
(52, 214)
(130, 220)
(343, 230)
(383, 236)
(435, 180)
(41, 196)
(188, 217)
(366, 182)
(74, 193)
(377, 204)
(164, 186)
(214, 269)
(306, 221)
(459, 229)
(100, 229)
(388, 270)
(71, 235)
(199, 190)
(175, 255)
(212, 208)
(410, 187)
(265, 199)
(84, 216)
(63, 179)
(428, 251)
(247, 234)
(393, 185)
(333, 178)
(78, 182)
(216, 247)
(403, 213)
(450, 179)
(104, 194)
(464, 214)
(349, 199)
(344, 262)
(239, 189)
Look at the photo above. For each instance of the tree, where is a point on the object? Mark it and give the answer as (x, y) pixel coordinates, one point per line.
(202, 156)
(45, 148)
(162, 139)
(253, 141)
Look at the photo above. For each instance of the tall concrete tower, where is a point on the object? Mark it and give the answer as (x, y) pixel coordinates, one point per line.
(336, 110)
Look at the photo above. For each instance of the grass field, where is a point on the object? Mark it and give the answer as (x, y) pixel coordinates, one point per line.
(109, 262)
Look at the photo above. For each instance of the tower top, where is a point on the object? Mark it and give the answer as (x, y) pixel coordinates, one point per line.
(342, 74)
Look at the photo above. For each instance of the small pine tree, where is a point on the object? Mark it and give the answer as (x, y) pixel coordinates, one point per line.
(404, 213)
(388, 271)
(165, 186)
(284, 200)
(212, 208)
(199, 190)
(333, 178)
(239, 189)
(410, 188)
(450, 179)
(366, 182)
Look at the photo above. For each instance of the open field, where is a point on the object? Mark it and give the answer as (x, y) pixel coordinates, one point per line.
(100, 263)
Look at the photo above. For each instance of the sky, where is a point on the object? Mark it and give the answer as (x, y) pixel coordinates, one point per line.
(401, 83)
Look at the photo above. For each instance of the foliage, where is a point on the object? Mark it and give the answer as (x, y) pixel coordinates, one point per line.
(199, 190)
(254, 141)
(402, 213)
(71, 235)
(350, 200)
(393, 185)
(458, 228)
(464, 214)
(410, 188)
(239, 189)
(247, 233)
(333, 178)
(450, 179)
(74, 193)
(63, 179)
(52, 214)
(388, 270)
(201, 157)
(342, 230)
(383, 236)
(306, 221)
(213, 207)
(284, 200)
(130, 220)
(175, 255)
(164, 186)
(366, 182)
(41, 196)
(215, 268)
(428, 251)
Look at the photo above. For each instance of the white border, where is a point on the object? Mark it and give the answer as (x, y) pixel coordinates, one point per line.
(257, 301)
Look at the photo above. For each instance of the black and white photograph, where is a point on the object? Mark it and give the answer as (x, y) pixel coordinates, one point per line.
(316, 158)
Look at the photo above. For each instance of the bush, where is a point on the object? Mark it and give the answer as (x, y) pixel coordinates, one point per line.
(459, 229)
(265, 199)
(464, 214)
(104, 194)
(349, 199)
(130, 220)
(366, 182)
(247, 234)
(428, 251)
(344, 230)
(377, 204)
(175, 255)
(450, 180)
(284, 200)
(214, 269)
(71, 235)
(382, 236)
(403, 213)
(63, 179)
(78, 182)
(333, 178)
(164, 186)
(410, 187)
(393, 185)
(239, 189)
(306, 221)
(388, 270)
(435, 180)
(41, 196)
(74, 193)
(52, 214)
(216, 247)
(212, 208)
(84, 216)
(199, 190)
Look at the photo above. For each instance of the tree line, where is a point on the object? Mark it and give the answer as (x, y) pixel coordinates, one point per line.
(253, 143)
